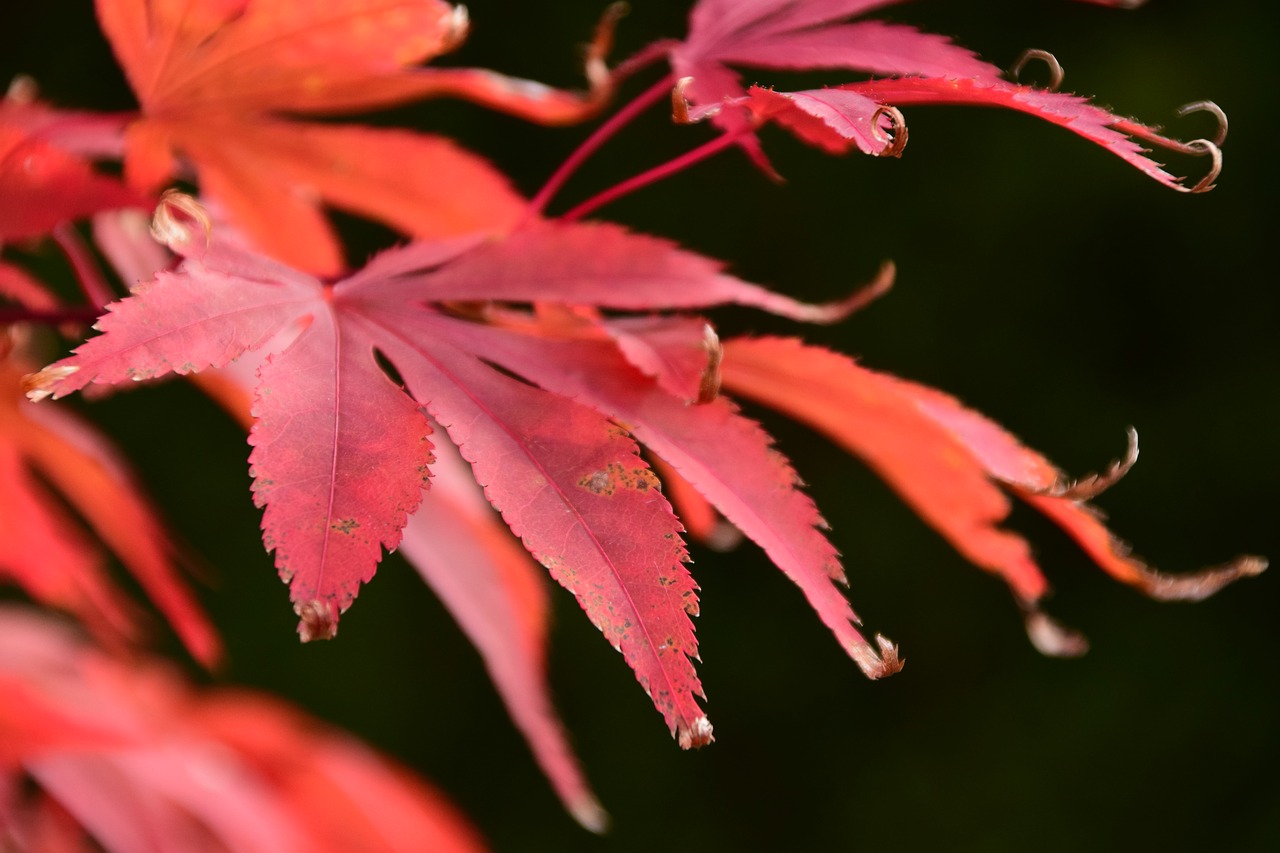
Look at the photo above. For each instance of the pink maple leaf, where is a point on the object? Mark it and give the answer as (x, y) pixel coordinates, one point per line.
(341, 452)
(59, 476)
(121, 753)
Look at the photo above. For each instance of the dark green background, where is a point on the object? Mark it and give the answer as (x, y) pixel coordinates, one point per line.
(1042, 281)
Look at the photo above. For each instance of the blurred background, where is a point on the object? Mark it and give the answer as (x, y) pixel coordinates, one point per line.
(1042, 281)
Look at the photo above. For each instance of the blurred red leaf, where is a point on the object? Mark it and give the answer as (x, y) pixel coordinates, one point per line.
(141, 761)
(52, 461)
(43, 185)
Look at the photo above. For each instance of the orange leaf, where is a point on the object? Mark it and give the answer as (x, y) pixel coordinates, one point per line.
(217, 80)
(44, 550)
(948, 463)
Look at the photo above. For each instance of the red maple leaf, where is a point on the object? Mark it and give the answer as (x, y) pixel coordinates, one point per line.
(52, 462)
(341, 452)
(121, 752)
(805, 34)
(499, 601)
(42, 182)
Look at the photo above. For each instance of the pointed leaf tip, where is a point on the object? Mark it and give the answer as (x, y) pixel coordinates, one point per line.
(697, 734)
(1090, 486)
(590, 815)
(1053, 639)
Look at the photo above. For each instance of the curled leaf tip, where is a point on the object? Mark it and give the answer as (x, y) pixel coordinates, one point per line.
(1201, 147)
(1195, 148)
(895, 138)
(589, 814)
(680, 104)
(38, 386)
(598, 75)
(872, 290)
(709, 384)
(1052, 639)
(318, 620)
(1208, 107)
(1090, 486)
(175, 220)
(1202, 584)
(698, 734)
(835, 312)
(1056, 74)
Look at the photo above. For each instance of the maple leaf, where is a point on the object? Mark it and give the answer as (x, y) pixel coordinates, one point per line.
(1114, 133)
(803, 34)
(921, 69)
(949, 463)
(341, 453)
(222, 84)
(50, 458)
(499, 600)
(498, 595)
(42, 183)
(136, 759)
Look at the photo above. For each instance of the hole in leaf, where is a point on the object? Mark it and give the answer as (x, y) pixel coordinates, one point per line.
(389, 369)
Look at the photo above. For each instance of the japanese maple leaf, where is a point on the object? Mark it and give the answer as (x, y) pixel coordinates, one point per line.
(950, 464)
(500, 601)
(222, 82)
(923, 69)
(136, 759)
(341, 452)
(51, 461)
(797, 35)
(865, 116)
(43, 181)
(808, 34)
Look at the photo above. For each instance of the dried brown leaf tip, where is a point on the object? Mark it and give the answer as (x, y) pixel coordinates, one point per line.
(1056, 74)
(38, 386)
(597, 52)
(895, 139)
(1202, 584)
(1090, 486)
(879, 665)
(709, 386)
(1051, 638)
(697, 734)
(177, 219)
(1195, 148)
(680, 104)
(318, 620)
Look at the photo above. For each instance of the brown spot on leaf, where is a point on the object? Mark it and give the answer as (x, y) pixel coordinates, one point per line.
(597, 483)
(345, 526)
(615, 475)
